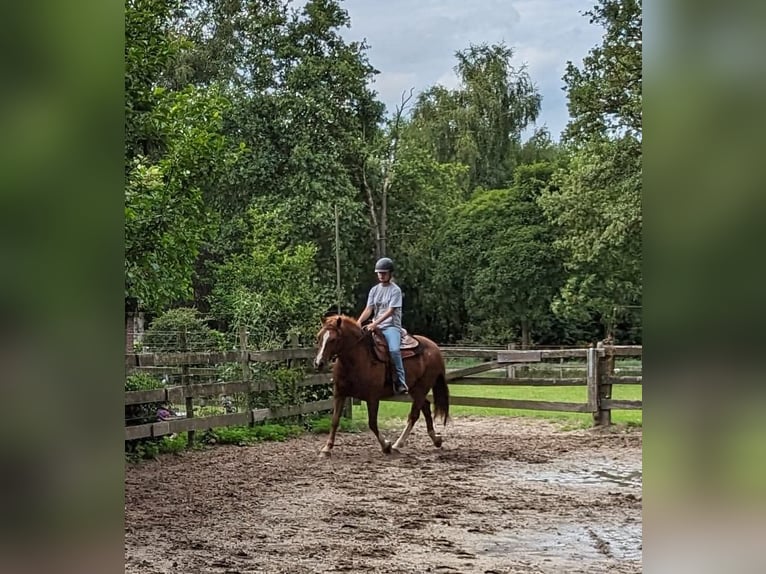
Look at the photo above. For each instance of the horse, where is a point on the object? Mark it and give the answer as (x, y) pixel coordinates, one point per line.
(359, 373)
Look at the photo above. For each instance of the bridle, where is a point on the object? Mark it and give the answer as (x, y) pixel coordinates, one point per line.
(365, 333)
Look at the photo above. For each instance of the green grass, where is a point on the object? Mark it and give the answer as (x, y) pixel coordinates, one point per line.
(567, 369)
(394, 412)
(321, 425)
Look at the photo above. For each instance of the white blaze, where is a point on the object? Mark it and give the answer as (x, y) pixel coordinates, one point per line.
(320, 354)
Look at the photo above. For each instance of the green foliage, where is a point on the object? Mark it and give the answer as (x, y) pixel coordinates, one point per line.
(420, 197)
(175, 151)
(151, 448)
(301, 105)
(493, 253)
(595, 197)
(142, 382)
(246, 127)
(271, 287)
(596, 204)
(142, 449)
(479, 124)
(240, 436)
(605, 96)
(146, 412)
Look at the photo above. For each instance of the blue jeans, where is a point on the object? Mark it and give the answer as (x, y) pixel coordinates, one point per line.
(393, 337)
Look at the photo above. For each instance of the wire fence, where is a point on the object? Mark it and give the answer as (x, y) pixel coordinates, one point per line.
(179, 341)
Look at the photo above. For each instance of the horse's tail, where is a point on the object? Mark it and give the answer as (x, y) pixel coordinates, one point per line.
(441, 398)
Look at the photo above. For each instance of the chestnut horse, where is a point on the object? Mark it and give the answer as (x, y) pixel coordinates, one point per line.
(359, 374)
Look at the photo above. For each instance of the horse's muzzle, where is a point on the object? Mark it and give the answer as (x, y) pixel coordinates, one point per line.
(318, 364)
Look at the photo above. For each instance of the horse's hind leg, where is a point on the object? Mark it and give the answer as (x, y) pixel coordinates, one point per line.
(372, 421)
(411, 420)
(436, 438)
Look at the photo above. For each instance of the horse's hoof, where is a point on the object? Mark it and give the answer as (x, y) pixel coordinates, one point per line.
(324, 453)
(386, 448)
(438, 442)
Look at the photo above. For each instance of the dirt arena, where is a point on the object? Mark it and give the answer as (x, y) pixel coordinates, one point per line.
(503, 495)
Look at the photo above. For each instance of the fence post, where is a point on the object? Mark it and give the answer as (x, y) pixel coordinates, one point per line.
(592, 381)
(348, 409)
(186, 382)
(510, 370)
(561, 364)
(604, 366)
(244, 363)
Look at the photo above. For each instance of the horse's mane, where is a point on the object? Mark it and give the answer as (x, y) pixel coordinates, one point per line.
(346, 323)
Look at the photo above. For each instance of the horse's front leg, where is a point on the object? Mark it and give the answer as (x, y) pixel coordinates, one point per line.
(337, 409)
(372, 421)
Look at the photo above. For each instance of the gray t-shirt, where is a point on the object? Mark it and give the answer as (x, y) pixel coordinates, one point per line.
(382, 297)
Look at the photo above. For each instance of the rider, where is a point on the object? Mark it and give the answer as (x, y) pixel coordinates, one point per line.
(385, 301)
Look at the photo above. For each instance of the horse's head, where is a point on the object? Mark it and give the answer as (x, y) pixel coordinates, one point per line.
(329, 340)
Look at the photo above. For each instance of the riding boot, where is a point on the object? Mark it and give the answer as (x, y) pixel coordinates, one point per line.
(393, 337)
(400, 386)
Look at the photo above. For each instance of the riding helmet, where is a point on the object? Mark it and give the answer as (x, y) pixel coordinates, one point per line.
(384, 264)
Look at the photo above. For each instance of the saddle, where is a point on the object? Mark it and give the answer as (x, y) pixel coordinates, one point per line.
(410, 346)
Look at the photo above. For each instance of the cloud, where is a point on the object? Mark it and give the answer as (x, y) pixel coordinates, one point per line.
(449, 80)
(413, 44)
(391, 85)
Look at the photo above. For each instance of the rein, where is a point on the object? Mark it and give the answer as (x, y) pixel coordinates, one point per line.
(365, 333)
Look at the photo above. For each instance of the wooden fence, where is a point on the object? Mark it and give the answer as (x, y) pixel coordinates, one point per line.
(597, 365)
(187, 391)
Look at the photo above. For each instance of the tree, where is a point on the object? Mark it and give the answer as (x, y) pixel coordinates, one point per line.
(494, 263)
(596, 204)
(302, 109)
(378, 174)
(480, 123)
(595, 199)
(174, 150)
(605, 95)
(270, 287)
(421, 196)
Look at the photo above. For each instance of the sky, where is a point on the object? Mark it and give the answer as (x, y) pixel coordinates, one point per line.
(413, 43)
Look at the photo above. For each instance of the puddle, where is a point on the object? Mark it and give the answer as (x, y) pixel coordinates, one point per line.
(603, 472)
(633, 478)
(569, 541)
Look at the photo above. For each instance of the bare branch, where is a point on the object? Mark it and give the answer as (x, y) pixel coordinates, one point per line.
(371, 202)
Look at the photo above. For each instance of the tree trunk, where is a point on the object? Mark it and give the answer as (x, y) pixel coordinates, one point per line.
(384, 219)
(525, 342)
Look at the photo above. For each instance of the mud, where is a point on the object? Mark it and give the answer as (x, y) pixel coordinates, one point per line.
(508, 495)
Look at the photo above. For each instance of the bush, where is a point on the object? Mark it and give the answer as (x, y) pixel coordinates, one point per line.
(142, 382)
(150, 448)
(182, 329)
(146, 412)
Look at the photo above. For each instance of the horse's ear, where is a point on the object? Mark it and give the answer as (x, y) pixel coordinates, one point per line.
(338, 322)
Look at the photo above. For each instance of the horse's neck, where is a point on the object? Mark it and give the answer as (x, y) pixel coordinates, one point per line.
(355, 353)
